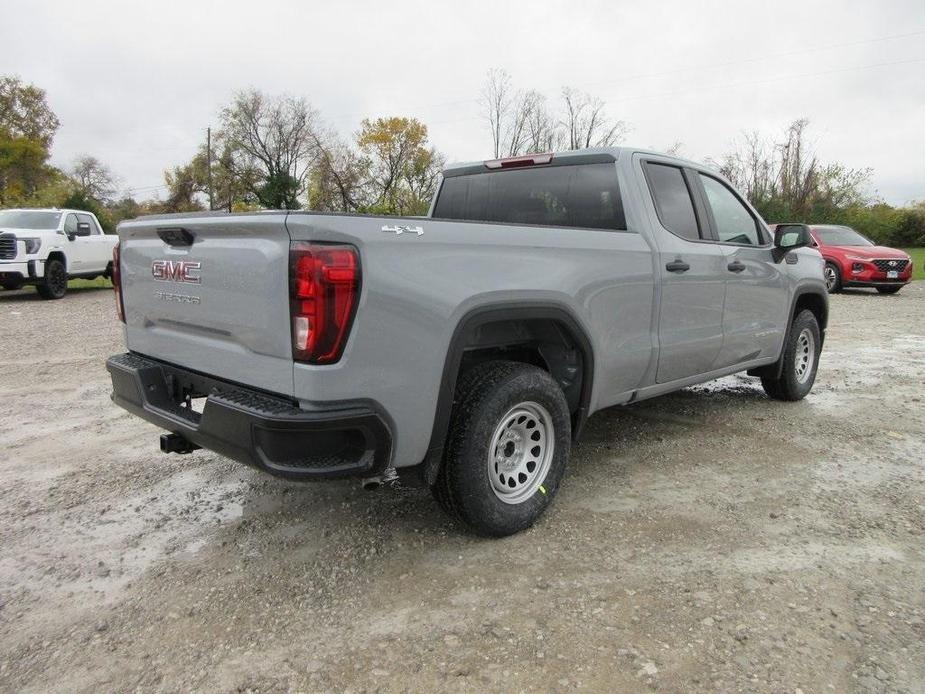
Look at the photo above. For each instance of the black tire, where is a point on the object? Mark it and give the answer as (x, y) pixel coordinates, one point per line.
(54, 284)
(889, 290)
(486, 396)
(107, 273)
(12, 285)
(795, 382)
(832, 278)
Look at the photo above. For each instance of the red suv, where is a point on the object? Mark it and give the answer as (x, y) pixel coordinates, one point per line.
(851, 260)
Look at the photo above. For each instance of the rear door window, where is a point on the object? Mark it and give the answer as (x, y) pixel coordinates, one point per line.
(673, 201)
(582, 195)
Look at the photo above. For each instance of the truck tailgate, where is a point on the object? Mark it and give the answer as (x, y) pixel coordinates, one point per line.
(220, 305)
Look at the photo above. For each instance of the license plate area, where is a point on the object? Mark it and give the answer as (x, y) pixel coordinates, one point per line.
(892, 274)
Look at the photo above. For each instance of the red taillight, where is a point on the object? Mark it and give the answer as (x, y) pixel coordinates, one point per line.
(324, 284)
(117, 282)
(515, 162)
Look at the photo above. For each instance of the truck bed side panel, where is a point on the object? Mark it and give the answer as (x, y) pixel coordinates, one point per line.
(417, 288)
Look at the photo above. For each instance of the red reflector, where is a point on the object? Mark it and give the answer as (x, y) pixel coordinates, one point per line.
(117, 282)
(325, 284)
(514, 162)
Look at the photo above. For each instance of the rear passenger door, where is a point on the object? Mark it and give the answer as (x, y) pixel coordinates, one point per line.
(692, 269)
(756, 308)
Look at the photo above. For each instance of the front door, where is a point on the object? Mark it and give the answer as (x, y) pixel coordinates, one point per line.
(78, 250)
(756, 307)
(690, 324)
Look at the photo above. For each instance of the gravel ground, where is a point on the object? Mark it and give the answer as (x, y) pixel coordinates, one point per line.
(708, 540)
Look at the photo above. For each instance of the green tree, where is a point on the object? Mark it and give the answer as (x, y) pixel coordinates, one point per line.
(27, 127)
(24, 112)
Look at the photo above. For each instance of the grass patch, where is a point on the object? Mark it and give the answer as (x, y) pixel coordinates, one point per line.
(918, 262)
(98, 283)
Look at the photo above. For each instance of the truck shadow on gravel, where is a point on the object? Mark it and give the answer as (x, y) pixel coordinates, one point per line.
(619, 441)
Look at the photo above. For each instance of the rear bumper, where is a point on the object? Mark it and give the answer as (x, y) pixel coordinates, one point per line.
(264, 431)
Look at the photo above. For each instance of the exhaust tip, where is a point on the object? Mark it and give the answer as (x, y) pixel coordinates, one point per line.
(371, 483)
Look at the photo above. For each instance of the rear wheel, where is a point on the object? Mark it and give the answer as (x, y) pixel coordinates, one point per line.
(889, 290)
(507, 449)
(54, 284)
(832, 278)
(801, 359)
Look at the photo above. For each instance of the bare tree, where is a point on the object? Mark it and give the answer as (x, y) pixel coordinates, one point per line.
(93, 178)
(798, 169)
(521, 122)
(544, 133)
(496, 101)
(274, 137)
(752, 166)
(785, 179)
(338, 181)
(586, 123)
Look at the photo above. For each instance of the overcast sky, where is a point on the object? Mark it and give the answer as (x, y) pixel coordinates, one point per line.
(136, 84)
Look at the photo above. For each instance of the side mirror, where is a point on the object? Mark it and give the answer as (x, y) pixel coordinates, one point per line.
(790, 236)
(83, 229)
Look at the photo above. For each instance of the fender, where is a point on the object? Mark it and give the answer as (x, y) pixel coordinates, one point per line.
(463, 335)
(776, 368)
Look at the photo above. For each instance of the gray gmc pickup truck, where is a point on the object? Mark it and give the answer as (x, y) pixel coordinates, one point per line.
(467, 348)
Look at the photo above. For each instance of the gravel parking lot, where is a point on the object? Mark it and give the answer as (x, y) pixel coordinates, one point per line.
(708, 540)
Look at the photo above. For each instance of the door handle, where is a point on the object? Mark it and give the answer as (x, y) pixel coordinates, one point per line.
(736, 266)
(677, 266)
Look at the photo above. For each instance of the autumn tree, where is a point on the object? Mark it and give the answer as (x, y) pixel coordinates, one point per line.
(403, 168)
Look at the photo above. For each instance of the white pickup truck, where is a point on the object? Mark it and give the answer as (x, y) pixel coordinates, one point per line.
(48, 247)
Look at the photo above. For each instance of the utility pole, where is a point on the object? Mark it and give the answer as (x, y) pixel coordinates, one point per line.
(209, 159)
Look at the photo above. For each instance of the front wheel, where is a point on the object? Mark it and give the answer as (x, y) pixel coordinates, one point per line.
(832, 276)
(889, 290)
(801, 359)
(507, 449)
(54, 284)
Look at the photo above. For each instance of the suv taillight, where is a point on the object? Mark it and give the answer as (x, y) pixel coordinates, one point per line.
(117, 283)
(324, 284)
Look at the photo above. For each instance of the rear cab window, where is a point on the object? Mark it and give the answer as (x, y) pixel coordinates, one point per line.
(579, 195)
(673, 202)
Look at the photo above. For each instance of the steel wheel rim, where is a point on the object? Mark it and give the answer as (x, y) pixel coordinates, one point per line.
(520, 452)
(830, 277)
(805, 355)
(58, 279)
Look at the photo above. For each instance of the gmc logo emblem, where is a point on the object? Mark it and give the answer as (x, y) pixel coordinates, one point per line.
(177, 271)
